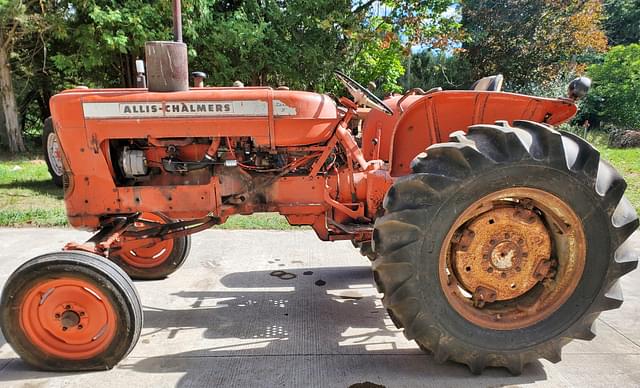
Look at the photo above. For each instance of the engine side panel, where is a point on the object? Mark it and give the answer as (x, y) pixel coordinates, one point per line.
(96, 127)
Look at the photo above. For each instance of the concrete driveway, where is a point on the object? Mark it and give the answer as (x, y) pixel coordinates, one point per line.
(223, 320)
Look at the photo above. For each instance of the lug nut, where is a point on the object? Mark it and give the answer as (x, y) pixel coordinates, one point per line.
(67, 307)
(57, 316)
(64, 328)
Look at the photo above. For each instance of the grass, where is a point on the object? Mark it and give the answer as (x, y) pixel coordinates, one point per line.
(626, 161)
(29, 198)
(27, 195)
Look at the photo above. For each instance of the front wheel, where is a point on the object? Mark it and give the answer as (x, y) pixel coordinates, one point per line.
(503, 245)
(52, 153)
(155, 260)
(70, 311)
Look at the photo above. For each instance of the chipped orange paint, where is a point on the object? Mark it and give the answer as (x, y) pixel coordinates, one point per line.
(338, 201)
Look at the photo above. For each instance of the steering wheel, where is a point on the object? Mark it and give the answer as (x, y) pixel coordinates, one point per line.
(362, 95)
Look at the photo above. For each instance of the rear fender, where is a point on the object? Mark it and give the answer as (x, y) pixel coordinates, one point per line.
(432, 118)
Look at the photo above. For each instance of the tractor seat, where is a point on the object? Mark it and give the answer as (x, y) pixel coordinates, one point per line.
(489, 84)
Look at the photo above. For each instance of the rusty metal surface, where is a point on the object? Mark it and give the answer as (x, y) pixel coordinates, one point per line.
(512, 258)
(167, 67)
(500, 251)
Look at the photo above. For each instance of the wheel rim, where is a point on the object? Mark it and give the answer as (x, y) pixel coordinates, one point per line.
(68, 318)
(512, 258)
(149, 256)
(54, 154)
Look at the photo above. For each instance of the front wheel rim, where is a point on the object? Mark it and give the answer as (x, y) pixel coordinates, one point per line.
(151, 255)
(53, 153)
(512, 258)
(68, 318)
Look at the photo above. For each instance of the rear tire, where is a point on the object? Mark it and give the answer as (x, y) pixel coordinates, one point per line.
(70, 311)
(412, 242)
(52, 153)
(365, 249)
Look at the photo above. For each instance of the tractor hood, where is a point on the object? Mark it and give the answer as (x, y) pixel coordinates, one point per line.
(270, 117)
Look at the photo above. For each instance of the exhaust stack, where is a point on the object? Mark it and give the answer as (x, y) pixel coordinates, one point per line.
(177, 21)
(167, 62)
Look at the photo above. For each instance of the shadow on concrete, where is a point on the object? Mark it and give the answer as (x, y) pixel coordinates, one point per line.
(326, 328)
(290, 332)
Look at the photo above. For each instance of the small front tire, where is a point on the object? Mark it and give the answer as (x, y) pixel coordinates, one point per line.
(70, 311)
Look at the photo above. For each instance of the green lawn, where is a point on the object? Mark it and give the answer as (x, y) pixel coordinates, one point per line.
(28, 198)
(628, 164)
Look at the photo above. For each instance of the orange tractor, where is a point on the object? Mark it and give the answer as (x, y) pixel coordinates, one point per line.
(494, 238)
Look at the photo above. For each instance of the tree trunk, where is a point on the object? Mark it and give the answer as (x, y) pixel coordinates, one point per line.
(8, 103)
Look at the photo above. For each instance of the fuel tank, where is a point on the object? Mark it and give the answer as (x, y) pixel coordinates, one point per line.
(273, 118)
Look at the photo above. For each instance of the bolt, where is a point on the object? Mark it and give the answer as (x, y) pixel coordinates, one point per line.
(81, 313)
(57, 316)
(79, 327)
(490, 269)
(503, 275)
(64, 328)
(67, 307)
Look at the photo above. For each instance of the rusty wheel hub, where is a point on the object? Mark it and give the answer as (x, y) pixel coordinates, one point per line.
(512, 258)
(499, 252)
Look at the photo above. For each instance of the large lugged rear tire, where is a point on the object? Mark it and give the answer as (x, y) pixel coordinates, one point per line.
(505, 244)
(70, 311)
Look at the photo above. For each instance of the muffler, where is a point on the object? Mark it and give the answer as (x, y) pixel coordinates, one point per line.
(167, 62)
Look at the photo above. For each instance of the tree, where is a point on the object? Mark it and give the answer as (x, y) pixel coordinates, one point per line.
(99, 41)
(24, 30)
(531, 41)
(431, 69)
(301, 43)
(616, 91)
(59, 44)
(12, 17)
(622, 24)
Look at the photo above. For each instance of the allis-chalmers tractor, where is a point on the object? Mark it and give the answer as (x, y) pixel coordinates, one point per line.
(494, 238)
